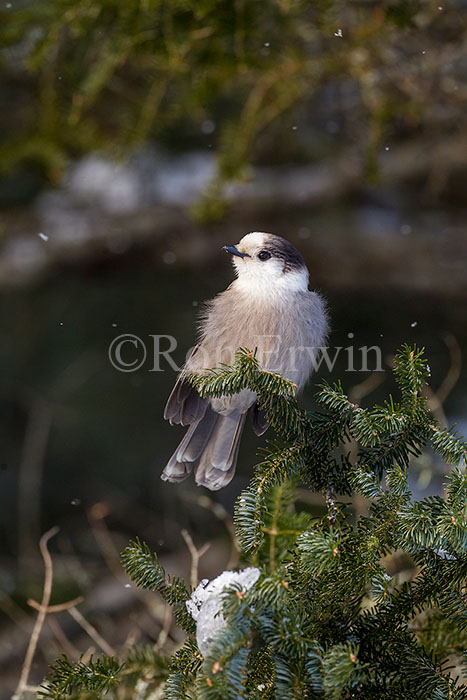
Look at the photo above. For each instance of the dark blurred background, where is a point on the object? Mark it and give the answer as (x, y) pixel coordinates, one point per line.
(136, 139)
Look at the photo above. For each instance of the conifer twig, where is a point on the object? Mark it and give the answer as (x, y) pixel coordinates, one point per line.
(47, 592)
(273, 532)
(331, 506)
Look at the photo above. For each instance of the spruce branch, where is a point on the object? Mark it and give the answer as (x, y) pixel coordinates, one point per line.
(411, 373)
(447, 443)
(275, 395)
(326, 619)
(67, 678)
(144, 569)
(341, 668)
(184, 666)
(225, 665)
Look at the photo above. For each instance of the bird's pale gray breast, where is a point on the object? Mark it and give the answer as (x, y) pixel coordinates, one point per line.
(277, 331)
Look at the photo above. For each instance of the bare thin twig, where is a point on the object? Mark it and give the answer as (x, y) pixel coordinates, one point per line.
(218, 510)
(90, 651)
(62, 638)
(56, 608)
(437, 398)
(359, 391)
(96, 516)
(31, 688)
(196, 555)
(97, 519)
(454, 372)
(166, 625)
(47, 591)
(91, 631)
(130, 641)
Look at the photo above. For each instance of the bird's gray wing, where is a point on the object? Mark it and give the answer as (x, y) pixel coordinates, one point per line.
(258, 418)
(184, 405)
(187, 455)
(210, 446)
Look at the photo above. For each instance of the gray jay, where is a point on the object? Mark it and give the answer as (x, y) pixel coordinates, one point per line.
(269, 308)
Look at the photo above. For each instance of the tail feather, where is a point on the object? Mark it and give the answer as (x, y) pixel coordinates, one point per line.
(215, 479)
(192, 446)
(210, 448)
(217, 464)
(223, 439)
(176, 471)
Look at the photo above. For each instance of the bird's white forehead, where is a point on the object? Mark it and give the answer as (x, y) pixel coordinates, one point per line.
(255, 238)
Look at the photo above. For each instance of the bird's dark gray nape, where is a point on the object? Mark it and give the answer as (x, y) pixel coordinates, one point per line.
(233, 250)
(285, 251)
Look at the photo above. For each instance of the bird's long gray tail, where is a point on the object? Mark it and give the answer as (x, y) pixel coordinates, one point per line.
(210, 449)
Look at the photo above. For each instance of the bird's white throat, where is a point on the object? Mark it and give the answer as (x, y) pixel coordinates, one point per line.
(268, 281)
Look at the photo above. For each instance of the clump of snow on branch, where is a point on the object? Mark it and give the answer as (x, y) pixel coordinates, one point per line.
(205, 604)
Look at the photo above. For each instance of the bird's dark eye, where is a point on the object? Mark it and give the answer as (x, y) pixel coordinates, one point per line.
(264, 255)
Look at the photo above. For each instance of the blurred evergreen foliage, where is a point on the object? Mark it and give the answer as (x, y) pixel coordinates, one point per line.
(85, 76)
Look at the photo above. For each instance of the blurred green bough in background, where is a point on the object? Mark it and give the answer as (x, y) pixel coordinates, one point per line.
(84, 76)
(325, 620)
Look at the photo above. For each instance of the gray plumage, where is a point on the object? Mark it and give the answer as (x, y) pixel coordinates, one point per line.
(267, 307)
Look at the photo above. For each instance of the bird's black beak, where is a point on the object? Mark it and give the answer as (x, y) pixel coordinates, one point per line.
(233, 250)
